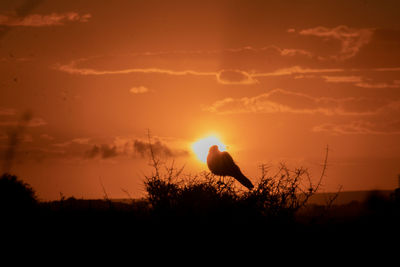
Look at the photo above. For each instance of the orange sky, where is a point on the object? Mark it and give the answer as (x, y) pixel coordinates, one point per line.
(278, 81)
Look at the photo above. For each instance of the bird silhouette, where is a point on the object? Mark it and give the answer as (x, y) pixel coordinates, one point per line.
(222, 164)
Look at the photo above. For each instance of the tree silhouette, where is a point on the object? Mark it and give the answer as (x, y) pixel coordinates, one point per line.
(16, 196)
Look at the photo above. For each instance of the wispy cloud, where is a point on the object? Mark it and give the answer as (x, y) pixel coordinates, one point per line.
(104, 151)
(296, 70)
(239, 76)
(37, 20)
(134, 147)
(270, 49)
(342, 79)
(7, 111)
(360, 127)
(242, 65)
(379, 85)
(282, 101)
(80, 141)
(235, 77)
(139, 90)
(34, 122)
(223, 76)
(159, 148)
(362, 82)
(73, 69)
(295, 52)
(388, 69)
(46, 137)
(351, 39)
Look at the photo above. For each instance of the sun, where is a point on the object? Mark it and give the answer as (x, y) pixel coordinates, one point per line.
(201, 146)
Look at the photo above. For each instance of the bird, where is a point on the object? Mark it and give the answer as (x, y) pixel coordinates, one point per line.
(222, 164)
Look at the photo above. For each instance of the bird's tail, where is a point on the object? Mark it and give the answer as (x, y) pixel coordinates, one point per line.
(244, 181)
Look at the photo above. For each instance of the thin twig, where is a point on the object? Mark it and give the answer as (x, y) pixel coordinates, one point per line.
(323, 170)
(105, 192)
(332, 199)
(152, 155)
(126, 192)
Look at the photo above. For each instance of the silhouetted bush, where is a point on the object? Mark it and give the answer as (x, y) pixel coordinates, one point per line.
(16, 196)
(378, 205)
(206, 197)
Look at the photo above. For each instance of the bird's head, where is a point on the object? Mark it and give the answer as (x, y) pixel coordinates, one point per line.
(213, 149)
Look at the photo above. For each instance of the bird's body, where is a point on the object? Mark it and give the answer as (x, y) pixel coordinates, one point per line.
(222, 164)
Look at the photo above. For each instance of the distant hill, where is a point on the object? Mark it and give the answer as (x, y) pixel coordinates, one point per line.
(319, 198)
(348, 196)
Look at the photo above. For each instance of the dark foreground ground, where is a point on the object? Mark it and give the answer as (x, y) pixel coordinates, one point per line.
(378, 216)
(201, 213)
(132, 231)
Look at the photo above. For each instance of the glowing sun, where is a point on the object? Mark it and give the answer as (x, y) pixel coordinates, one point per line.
(202, 146)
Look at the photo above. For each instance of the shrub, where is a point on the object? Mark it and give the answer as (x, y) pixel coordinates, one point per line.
(207, 197)
(15, 195)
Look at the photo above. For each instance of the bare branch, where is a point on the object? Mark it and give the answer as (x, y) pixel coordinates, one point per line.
(155, 161)
(323, 170)
(127, 193)
(105, 193)
(330, 200)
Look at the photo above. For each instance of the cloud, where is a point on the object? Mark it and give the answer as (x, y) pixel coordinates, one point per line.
(295, 52)
(72, 68)
(351, 39)
(360, 127)
(80, 141)
(119, 147)
(342, 79)
(37, 20)
(282, 101)
(270, 50)
(394, 84)
(104, 151)
(46, 137)
(159, 149)
(27, 138)
(37, 154)
(7, 111)
(232, 70)
(139, 90)
(394, 69)
(133, 147)
(34, 122)
(235, 77)
(223, 76)
(22, 137)
(296, 70)
(241, 66)
(360, 82)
